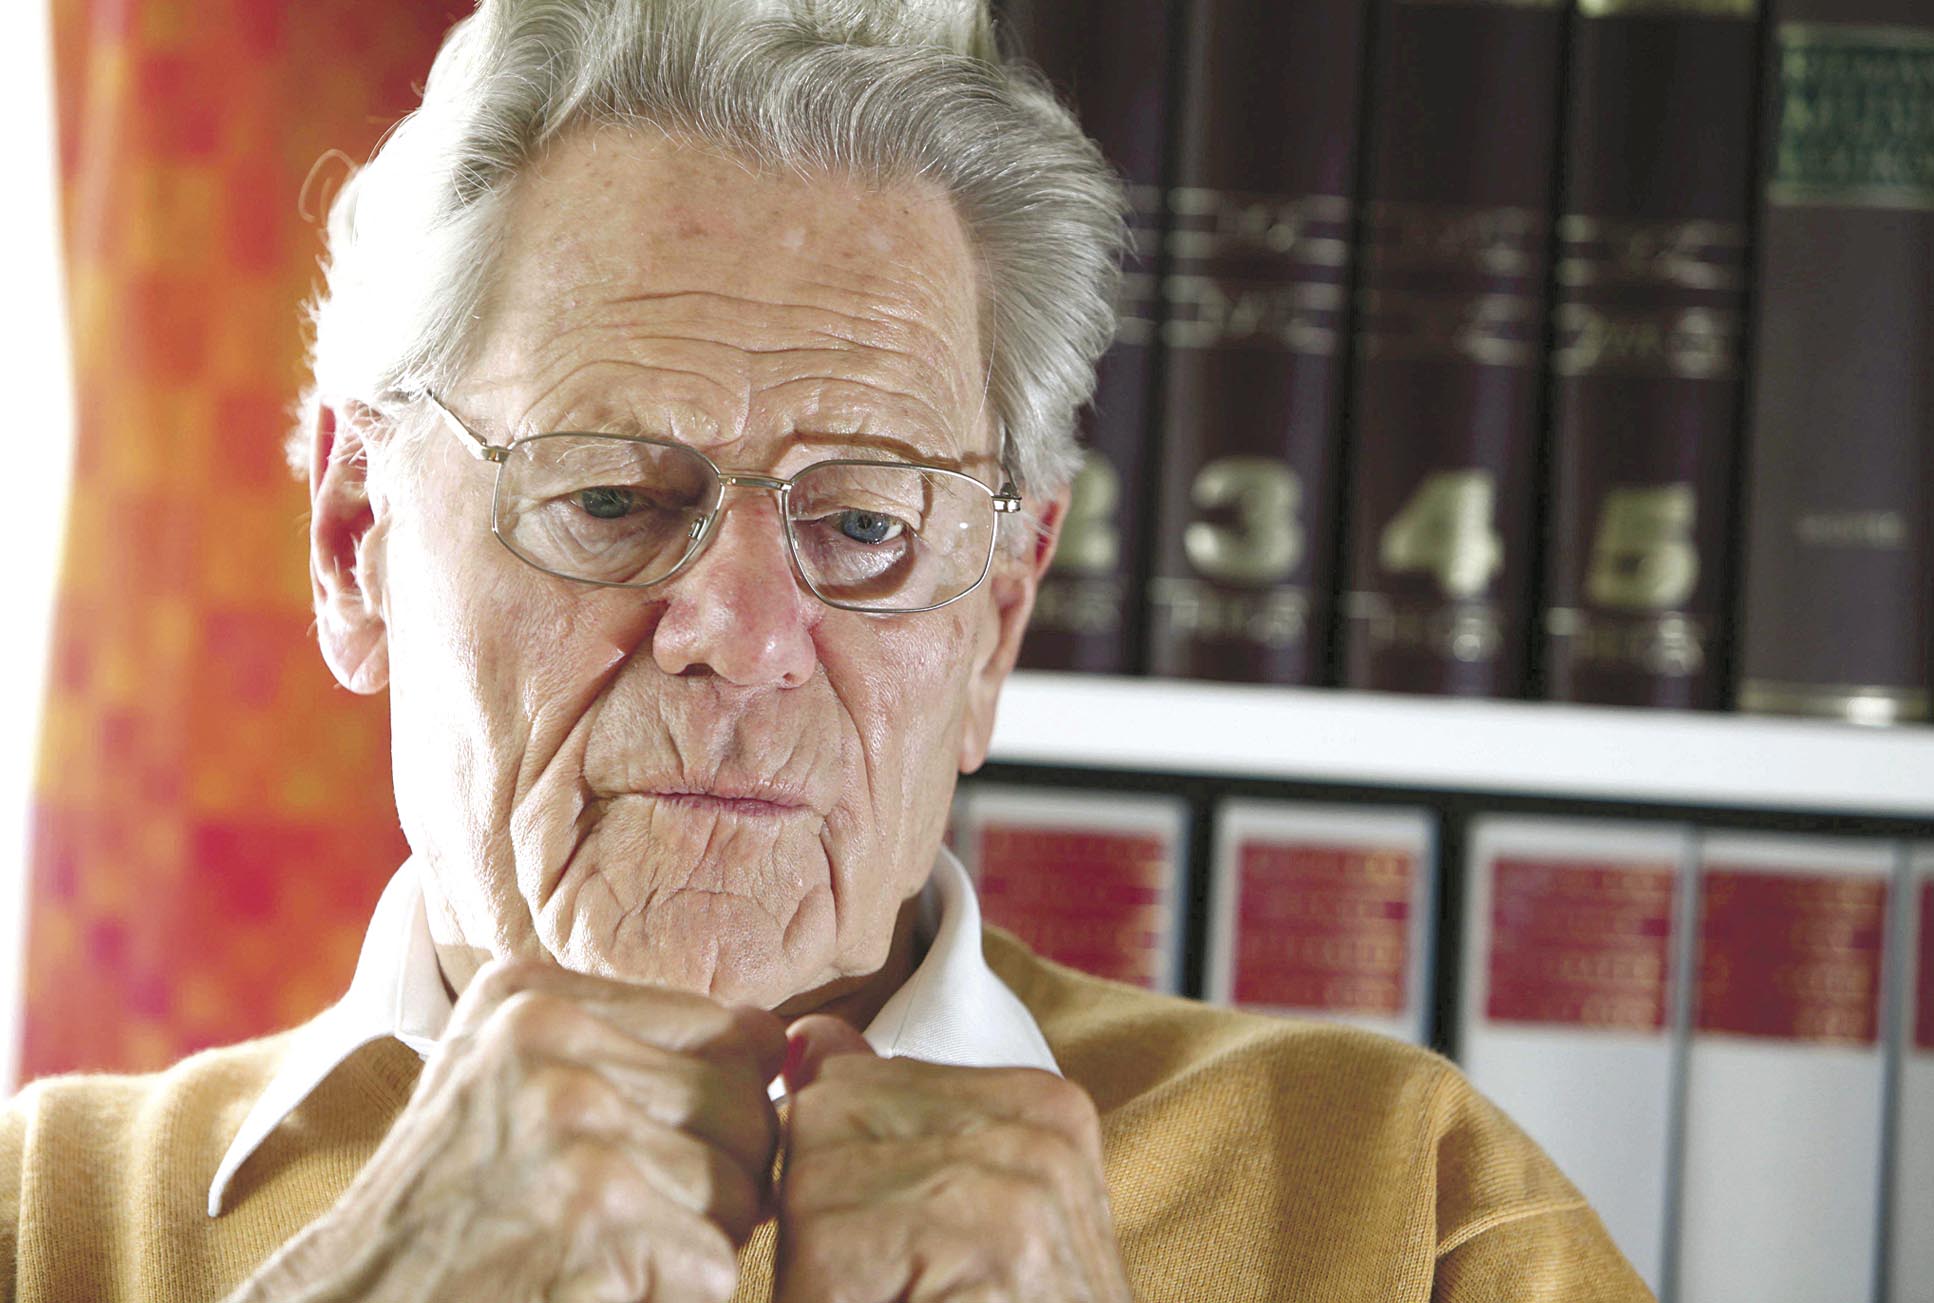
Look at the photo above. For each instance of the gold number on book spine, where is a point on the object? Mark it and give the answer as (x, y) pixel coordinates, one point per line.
(1090, 539)
(1448, 529)
(1266, 542)
(1644, 557)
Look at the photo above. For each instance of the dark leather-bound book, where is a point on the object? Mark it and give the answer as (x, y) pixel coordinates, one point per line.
(1645, 362)
(1446, 395)
(1110, 59)
(1839, 595)
(1256, 287)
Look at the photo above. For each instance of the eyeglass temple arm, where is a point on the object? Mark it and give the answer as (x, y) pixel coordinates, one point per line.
(485, 449)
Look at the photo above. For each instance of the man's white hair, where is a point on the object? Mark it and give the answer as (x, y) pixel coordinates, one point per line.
(883, 90)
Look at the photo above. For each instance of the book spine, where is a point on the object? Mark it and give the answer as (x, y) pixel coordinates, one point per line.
(1446, 391)
(1571, 932)
(1784, 1070)
(1647, 328)
(1324, 912)
(1110, 59)
(1091, 880)
(1838, 615)
(1910, 1237)
(1256, 289)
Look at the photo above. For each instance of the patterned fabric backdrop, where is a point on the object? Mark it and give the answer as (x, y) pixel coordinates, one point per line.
(213, 817)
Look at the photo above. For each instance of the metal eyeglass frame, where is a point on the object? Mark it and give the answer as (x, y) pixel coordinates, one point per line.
(1005, 501)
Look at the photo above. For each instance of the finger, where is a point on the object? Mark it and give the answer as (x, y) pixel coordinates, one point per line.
(670, 1019)
(725, 1104)
(574, 1116)
(906, 1098)
(704, 1179)
(814, 1039)
(1012, 1163)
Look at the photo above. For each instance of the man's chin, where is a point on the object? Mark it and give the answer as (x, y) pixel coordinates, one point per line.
(710, 944)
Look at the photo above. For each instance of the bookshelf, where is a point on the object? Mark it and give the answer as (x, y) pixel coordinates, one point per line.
(1506, 748)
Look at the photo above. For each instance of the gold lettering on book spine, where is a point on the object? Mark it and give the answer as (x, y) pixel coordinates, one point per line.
(1689, 325)
(1484, 4)
(1277, 618)
(1454, 283)
(1256, 269)
(1856, 117)
(1684, 343)
(1668, 8)
(1695, 255)
(1090, 531)
(1137, 296)
(1670, 644)
(1264, 542)
(1469, 632)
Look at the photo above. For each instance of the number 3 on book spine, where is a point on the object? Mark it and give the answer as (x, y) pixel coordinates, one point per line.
(1266, 541)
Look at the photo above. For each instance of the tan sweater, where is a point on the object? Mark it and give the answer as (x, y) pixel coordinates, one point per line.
(1248, 1158)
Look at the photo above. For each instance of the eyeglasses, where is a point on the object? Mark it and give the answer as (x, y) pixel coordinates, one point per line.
(625, 511)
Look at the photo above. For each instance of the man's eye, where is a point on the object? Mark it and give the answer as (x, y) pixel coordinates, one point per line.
(868, 526)
(607, 503)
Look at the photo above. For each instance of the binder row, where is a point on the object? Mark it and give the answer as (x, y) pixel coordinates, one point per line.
(1726, 1040)
(1511, 348)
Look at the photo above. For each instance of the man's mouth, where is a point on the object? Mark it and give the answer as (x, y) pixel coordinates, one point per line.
(750, 803)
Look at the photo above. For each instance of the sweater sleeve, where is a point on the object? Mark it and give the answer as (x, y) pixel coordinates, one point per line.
(1510, 1227)
(12, 1127)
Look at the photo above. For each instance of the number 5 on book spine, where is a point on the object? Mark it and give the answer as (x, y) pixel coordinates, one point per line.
(1447, 529)
(1644, 557)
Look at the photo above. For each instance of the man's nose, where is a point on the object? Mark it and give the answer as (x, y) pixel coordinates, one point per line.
(738, 610)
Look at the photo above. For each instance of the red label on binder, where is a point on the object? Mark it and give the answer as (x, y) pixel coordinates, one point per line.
(1924, 968)
(1791, 956)
(1580, 942)
(1324, 928)
(1093, 900)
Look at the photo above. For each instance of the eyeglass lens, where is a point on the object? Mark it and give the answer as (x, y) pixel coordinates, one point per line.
(623, 511)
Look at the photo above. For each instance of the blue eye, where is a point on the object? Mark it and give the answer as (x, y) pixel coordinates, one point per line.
(868, 526)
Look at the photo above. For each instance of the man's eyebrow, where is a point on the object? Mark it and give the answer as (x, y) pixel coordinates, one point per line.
(836, 443)
(875, 443)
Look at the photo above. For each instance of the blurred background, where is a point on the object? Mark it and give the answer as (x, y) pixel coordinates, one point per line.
(1497, 608)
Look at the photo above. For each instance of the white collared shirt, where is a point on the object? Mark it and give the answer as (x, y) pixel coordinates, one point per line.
(952, 1009)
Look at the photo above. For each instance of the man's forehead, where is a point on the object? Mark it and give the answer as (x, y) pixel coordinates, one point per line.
(630, 215)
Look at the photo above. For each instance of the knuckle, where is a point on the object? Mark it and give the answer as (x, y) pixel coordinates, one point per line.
(500, 979)
(524, 1020)
(1025, 1203)
(593, 1185)
(1063, 1105)
(822, 1110)
(756, 1034)
(569, 1099)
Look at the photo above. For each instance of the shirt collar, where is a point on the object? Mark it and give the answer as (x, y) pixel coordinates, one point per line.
(952, 1009)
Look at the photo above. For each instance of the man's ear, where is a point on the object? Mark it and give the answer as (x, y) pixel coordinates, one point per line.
(1014, 582)
(349, 613)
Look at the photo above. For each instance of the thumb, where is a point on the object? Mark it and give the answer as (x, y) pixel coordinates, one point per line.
(814, 1039)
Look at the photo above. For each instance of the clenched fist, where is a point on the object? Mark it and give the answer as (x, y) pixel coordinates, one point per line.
(571, 1138)
(911, 1182)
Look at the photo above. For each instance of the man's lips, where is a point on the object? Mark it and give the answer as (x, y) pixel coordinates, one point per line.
(757, 803)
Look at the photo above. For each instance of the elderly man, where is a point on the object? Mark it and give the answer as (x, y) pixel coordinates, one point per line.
(693, 387)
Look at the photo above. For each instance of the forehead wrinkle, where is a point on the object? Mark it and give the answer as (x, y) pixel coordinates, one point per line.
(824, 398)
(881, 323)
(594, 396)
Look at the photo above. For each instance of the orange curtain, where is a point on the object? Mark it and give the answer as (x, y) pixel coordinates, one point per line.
(213, 818)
